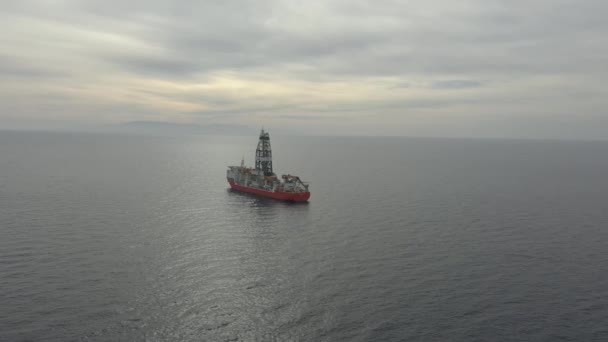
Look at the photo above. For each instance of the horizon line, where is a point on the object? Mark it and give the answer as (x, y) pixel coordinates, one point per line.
(160, 134)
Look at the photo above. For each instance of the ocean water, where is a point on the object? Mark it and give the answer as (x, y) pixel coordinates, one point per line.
(137, 238)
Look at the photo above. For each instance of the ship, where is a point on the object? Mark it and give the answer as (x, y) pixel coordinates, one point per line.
(261, 180)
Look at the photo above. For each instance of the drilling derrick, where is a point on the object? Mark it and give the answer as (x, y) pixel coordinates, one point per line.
(263, 154)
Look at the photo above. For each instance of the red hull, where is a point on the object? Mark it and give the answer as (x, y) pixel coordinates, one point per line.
(283, 196)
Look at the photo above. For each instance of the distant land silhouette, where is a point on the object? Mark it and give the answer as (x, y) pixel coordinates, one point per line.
(160, 127)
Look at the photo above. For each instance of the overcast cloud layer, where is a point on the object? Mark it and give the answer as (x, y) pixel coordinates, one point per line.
(421, 68)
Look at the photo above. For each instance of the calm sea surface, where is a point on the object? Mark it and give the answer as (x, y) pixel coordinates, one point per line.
(136, 238)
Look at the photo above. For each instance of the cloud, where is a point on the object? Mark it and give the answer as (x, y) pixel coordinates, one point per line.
(11, 68)
(306, 117)
(156, 66)
(456, 84)
(386, 66)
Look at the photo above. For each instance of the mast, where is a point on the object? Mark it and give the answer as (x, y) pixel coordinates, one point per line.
(263, 154)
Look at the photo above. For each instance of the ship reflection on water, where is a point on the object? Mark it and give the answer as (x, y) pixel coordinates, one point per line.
(267, 211)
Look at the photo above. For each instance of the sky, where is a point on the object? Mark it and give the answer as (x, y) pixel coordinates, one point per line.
(468, 68)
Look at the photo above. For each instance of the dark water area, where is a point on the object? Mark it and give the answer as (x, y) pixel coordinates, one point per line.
(136, 238)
